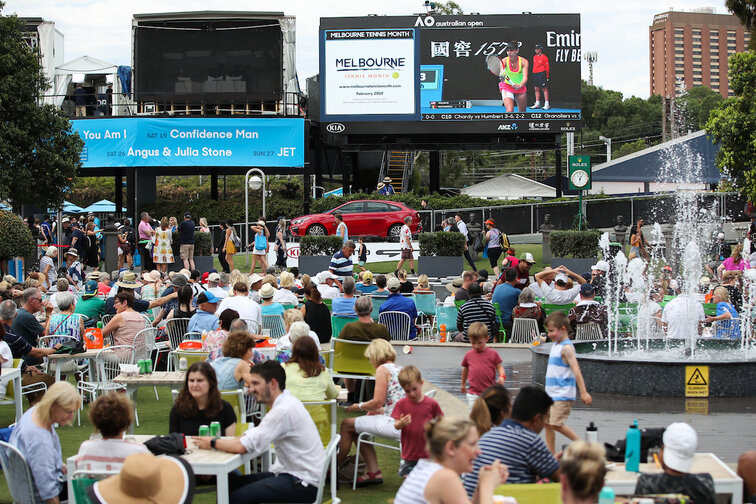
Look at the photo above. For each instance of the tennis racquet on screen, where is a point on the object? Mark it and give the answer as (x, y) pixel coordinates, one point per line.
(496, 66)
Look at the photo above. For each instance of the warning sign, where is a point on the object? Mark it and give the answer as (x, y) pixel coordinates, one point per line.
(696, 381)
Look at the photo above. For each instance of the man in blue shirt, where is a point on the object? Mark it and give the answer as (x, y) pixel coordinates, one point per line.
(186, 241)
(205, 319)
(397, 302)
(517, 444)
(506, 295)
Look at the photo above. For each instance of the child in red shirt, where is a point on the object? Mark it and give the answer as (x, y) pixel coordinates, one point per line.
(411, 413)
(481, 365)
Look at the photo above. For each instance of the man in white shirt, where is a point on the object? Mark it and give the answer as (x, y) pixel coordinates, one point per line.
(683, 317)
(405, 239)
(557, 292)
(299, 451)
(248, 309)
(327, 285)
(213, 281)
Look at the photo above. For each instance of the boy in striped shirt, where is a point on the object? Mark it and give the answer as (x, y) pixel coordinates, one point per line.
(563, 376)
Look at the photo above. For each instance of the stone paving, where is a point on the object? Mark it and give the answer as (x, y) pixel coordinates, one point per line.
(724, 426)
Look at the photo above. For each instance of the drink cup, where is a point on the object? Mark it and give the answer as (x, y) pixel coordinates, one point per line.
(204, 430)
(148, 365)
(215, 428)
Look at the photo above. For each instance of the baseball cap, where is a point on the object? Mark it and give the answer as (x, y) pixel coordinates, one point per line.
(587, 289)
(213, 277)
(720, 236)
(680, 442)
(188, 215)
(267, 291)
(601, 265)
(393, 284)
(90, 288)
(367, 277)
(561, 277)
(65, 219)
(527, 257)
(203, 279)
(538, 46)
(207, 297)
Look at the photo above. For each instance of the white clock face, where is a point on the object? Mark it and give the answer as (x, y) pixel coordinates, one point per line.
(579, 178)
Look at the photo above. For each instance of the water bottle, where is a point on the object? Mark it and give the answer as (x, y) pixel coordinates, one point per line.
(591, 433)
(442, 331)
(182, 364)
(99, 325)
(606, 496)
(632, 447)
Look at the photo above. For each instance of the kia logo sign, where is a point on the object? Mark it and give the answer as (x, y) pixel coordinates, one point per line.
(292, 251)
(335, 128)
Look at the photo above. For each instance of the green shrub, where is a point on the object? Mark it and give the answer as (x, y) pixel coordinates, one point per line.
(15, 238)
(203, 244)
(320, 245)
(441, 243)
(575, 244)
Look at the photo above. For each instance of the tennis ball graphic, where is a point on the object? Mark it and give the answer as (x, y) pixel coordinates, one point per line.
(395, 75)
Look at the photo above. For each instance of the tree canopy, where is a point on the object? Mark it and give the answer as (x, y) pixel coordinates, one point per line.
(696, 105)
(733, 125)
(745, 10)
(39, 155)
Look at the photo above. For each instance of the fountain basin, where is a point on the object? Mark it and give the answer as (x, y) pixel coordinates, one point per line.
(660, 370)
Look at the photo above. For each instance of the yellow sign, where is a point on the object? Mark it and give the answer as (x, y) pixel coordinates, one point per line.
(696, 381)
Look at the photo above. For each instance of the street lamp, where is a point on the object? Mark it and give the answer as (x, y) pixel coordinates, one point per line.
(608, 142)
(253, 183)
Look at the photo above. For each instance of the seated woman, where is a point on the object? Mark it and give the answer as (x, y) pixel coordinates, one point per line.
(316, 313)
(126, 323)
(405, 286)
(583, 468)
(297, 330)
(366, 285)
(728, 323)
(214, 339)
(306, 377)
(36, 439)
(378, 422)
(184, 309)
(199, 403)
(232, 370)
(527, 308)
(65, 323)
(285, 295)
(268, 307)
(423, 285)
(452, 445)
(111, 414)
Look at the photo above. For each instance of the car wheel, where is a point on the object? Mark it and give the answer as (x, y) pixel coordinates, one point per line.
(394, 231)
(316, 230)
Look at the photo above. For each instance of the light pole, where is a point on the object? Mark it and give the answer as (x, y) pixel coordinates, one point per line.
(608, 142)
(255, 183)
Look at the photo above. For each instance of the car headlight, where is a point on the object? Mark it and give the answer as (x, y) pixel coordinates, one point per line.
(299, 221)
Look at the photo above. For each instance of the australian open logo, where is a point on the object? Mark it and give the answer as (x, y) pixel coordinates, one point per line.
(335, 128)
(425, 21)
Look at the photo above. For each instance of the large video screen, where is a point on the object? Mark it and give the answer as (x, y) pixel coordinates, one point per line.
(209, 63)
(449, 74)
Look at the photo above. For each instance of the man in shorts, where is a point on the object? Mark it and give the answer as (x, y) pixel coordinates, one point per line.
(186, 241)
(405, 239)
(540, 78)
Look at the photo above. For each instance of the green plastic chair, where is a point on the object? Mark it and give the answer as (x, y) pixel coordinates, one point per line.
(328, 302)
(551, 308)
(349, 359)
(338, 323)
(502, 332)
(532, 493)
(710, 309)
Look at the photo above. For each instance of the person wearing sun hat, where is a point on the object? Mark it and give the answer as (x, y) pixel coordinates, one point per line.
(74, 268)
(91, 306)
(678, 450)
(388, 188)
(147, 478)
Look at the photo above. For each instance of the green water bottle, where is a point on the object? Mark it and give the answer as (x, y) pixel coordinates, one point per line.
(99, 325)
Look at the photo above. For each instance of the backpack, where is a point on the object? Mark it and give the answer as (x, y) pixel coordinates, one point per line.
(503, 240)
(260, 242)
(131, 236)
(236, 240)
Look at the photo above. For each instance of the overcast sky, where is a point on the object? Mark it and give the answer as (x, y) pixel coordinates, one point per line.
(617, 30)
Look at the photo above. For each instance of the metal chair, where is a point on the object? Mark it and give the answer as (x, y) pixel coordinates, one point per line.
(69, 367)
(147, 321)
(274, 323)
(176, 329)
(192, 335)
(108, 362)
(17, 474)
(426, 308)
(253, 326)
(329, 464)
(32, 388)
(105, 319)
(588, 332)
(397, 323)
(524, 330)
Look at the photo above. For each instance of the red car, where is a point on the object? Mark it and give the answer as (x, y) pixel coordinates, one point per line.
(362, 217)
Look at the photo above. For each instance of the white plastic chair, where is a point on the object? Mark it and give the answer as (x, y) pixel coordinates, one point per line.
(329, 463)
(276, 325)
(17, 474)
(397, 323)
(588, 332)
(68, 367)
(144, 344)
(524, 330)
(175, 329)
(253, 326)
(108, 362)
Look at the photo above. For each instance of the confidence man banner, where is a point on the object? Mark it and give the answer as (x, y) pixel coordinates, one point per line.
(191, 142)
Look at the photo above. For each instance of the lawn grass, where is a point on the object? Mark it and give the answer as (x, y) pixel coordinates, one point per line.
(153, 418)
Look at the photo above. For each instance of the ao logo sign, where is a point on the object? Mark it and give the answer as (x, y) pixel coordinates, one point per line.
(335, 128)
(425, 21)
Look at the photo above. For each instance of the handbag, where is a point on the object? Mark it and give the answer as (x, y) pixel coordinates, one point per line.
(72, 348)
(170, 444)
(261, 243)
(236, 241)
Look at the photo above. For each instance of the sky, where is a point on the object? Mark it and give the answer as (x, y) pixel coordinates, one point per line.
(617, 30)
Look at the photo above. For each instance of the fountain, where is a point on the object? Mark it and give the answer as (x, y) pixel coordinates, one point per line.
(637, 358)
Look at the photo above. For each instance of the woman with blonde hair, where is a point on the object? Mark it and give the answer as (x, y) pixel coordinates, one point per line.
(36, 439)
(162, 251)
(582, 472)
(203, 227)
(378, 421)
(452, 445)
(236, 277)
(285, 295)
(423, 285)
(172, 224)
(229, 249)
(736, 261)
(728, 323)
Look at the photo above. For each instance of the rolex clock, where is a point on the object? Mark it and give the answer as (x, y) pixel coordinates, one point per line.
(580, 172)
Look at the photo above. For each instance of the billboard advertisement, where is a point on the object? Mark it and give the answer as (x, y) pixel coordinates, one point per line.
(191, 142)
(450, 74)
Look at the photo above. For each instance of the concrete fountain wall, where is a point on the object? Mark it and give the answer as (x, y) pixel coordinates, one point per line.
(728, 376)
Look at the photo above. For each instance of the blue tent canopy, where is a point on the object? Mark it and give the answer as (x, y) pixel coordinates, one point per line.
(68, 207)
(688, 159)
(102, 206)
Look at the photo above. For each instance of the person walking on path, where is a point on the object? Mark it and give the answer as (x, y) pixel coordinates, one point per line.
(463, 229)
(405, 239)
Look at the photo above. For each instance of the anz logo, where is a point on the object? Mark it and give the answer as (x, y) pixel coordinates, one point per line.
(335, 128)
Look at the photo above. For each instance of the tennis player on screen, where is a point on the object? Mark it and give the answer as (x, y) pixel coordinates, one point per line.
(514, 76)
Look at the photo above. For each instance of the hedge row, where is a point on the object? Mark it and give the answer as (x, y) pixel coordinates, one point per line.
(441, 243)
(575, 244)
